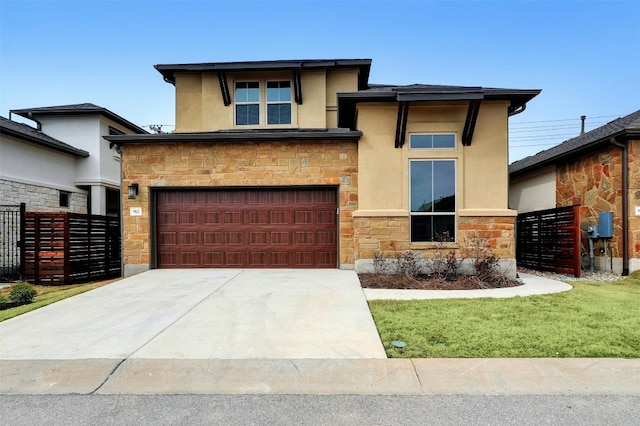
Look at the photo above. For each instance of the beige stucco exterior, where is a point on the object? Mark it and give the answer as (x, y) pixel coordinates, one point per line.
(200, 107)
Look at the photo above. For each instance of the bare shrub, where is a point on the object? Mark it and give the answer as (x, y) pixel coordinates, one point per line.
(485, 264)
(444, 265)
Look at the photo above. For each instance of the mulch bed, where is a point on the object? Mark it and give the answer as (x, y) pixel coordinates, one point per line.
(403, 282)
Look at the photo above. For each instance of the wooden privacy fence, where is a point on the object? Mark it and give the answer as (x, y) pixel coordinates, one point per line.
(68, 248)
(549, 240)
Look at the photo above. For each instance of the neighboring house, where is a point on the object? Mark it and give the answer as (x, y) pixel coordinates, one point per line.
(38, 170)
(64, 164)
(305, 164)
(599, 170)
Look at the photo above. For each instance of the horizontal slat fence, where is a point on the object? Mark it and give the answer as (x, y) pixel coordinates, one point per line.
(549, 240)
(68, 248)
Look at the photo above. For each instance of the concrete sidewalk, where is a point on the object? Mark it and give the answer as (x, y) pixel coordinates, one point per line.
(533, 285)
(541, 376)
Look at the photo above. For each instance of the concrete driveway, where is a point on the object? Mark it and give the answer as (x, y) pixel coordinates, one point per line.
(203, 314)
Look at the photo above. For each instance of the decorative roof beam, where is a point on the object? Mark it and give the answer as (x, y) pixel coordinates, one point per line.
(470, 122)
(297, 86)
(401, 123)
(224, 88)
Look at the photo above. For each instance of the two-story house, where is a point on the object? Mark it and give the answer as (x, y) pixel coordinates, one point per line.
(84, 177)
(305, 164)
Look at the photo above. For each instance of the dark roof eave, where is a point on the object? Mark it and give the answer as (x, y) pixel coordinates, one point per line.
(42, 142)
(168, 70)
(627, 134)
(232, 136)
(28, 113)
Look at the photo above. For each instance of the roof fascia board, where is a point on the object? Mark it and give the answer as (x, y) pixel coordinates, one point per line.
(234, 136)
(43, 142)
(95, 111)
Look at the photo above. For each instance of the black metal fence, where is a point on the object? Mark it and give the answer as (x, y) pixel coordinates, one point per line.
(549, 240)
(11, 237)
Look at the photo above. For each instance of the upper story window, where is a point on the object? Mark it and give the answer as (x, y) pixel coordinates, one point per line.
(251, 106)
(279, 102)
(247, 98)
(432, 141)
(433, 200)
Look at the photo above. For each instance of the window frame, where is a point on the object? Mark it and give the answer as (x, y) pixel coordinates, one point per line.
(64, 199)
(263, 103)
(455, 141)
(453, 213)
(236, 103)
(267, 102)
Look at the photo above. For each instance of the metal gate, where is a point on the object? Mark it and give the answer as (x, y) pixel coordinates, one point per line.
(11, 238)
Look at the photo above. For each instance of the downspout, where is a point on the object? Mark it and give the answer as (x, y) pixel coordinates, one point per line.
(625, 205)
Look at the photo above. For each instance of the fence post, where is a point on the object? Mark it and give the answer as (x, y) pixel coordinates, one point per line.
(577, 259)
(22, 270)
(67, 250)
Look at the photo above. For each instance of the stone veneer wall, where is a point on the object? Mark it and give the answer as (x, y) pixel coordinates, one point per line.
(40, 198)
(595, 182)
(389, 235)
(235, 164)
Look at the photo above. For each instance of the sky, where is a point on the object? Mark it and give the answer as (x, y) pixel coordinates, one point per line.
(583, 55)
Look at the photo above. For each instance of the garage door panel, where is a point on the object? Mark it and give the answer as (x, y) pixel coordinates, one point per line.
(303, 217)
(279, 237)
(189, 238)
(258, 238)
(279, 217)
(233, 238)
(213, 259)
(234, 218)
(211, 218)
(270, 227)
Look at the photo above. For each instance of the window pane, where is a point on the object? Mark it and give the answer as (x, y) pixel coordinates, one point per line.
(421, 228)
(428, 228)
(444, 141)
(421, 141)
(247, 92)
(247, 114)
(421, 186)
(279, 114)
(443, 228)
(444, 188)
(432, 141)
(279, 91)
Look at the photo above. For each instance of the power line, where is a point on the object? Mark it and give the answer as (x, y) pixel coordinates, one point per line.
(562, 119)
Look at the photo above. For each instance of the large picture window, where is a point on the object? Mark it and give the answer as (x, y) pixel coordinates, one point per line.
(433, 200)
(247, 99)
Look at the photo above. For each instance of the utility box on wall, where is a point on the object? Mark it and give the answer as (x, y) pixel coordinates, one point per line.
(605, 226)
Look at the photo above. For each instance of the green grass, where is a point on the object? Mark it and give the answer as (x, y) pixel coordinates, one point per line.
(592, 320)
(48, 295)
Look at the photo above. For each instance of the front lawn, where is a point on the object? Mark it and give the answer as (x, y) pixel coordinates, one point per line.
(48, 295)
(592, 320)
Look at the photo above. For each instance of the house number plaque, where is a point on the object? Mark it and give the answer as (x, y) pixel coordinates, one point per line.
(135, 211)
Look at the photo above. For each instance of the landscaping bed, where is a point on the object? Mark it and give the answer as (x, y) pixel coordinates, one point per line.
(426, 282)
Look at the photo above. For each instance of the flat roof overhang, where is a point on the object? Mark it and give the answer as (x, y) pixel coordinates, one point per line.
(239, 136)
(168, 71)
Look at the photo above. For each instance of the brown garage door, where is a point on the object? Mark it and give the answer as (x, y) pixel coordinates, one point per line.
(255, 228)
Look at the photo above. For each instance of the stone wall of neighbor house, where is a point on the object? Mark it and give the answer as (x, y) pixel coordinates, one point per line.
(40, 198)
(389, 236)
(595, 182)
(227, 164)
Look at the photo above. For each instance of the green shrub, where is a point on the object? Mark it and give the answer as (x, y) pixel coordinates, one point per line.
(22, 293)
